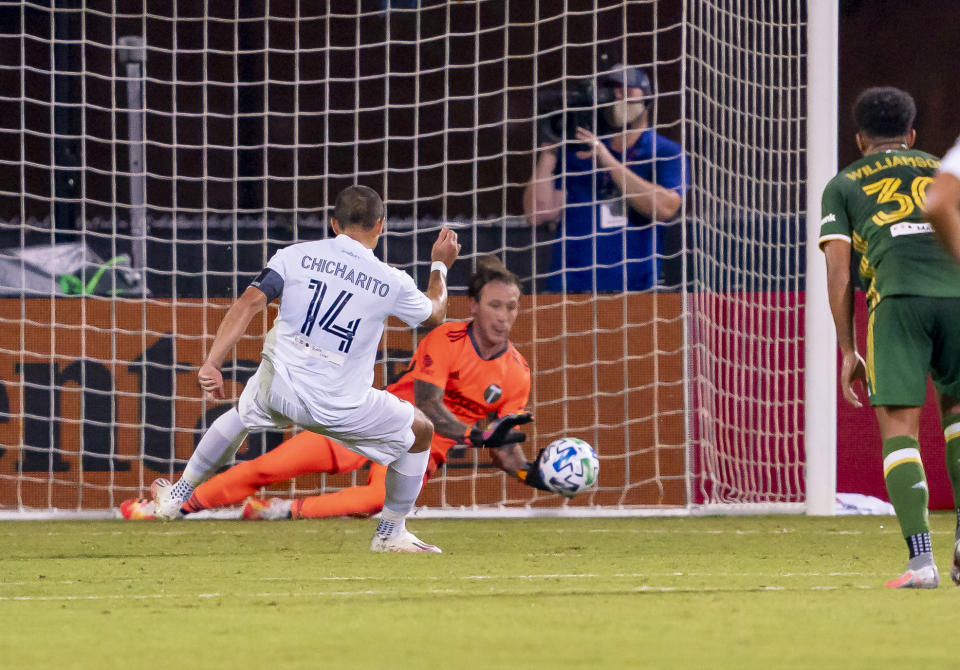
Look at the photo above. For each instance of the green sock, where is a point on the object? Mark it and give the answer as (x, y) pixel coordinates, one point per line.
(906, 484)
(951, 433)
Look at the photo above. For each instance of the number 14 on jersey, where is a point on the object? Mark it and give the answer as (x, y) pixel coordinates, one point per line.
(327, 322)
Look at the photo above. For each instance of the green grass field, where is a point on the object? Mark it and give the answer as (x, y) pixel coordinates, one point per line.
(731, 592)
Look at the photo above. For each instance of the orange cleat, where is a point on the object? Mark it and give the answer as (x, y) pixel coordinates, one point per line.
(257, 509)
(137, 509)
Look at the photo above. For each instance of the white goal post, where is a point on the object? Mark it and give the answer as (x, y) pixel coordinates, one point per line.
(152, 162)
(820, 350)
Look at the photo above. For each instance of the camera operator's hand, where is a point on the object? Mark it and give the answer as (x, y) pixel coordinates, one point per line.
(546, 160)
(542, 200)
(594, 148)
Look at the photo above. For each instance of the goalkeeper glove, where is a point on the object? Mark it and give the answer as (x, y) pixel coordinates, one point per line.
(531, 476)
(499, 433)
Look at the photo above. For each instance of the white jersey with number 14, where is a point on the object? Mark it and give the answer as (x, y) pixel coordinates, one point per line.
(336, 297)
(951, 160)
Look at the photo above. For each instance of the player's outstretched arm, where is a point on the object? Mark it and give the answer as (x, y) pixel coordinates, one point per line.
(444, 251)
(530, 473)
(943, 209)
(511, 459)
(232, 327)
(499, 432)
(429, 398)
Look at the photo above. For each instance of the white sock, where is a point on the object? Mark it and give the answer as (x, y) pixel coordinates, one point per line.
(181, 490)
(391, 524)
(217, 446)
(403, 481)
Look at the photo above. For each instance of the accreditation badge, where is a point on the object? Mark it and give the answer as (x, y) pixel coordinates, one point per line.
(610, 217)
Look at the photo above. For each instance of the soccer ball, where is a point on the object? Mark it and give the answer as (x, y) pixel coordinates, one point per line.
(569, 466)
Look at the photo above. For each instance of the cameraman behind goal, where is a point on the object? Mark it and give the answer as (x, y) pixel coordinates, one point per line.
(608, 190)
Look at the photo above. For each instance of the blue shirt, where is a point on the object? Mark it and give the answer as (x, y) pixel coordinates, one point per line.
(612, 253)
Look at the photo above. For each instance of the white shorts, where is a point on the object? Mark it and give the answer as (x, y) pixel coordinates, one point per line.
(379, 428)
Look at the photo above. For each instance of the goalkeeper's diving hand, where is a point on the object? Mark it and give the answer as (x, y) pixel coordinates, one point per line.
(499, 433)
(531, 476)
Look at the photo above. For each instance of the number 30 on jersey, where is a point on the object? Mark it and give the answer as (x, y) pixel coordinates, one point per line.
(888, 190)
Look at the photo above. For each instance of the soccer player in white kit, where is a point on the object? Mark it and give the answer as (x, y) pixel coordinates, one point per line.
(318, 361)
(943, 210)
(943, 201)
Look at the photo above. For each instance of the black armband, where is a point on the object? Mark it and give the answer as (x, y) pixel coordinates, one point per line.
(269, 282)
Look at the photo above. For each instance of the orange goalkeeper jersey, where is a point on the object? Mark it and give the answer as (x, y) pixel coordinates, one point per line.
(473, 388)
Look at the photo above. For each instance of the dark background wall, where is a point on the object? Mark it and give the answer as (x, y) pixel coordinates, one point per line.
(250, 114)
(447, 155)
(252, 124)
(910, 45)
(258, 113)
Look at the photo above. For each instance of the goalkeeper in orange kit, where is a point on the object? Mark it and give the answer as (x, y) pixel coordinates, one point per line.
(462, 373)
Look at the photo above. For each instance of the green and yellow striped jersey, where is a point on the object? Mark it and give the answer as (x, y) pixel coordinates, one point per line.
(877, 204)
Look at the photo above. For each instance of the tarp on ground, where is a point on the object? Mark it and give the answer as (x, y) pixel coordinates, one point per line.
(66, 269)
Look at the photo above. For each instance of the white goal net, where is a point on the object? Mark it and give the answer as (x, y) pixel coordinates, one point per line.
(153, 156)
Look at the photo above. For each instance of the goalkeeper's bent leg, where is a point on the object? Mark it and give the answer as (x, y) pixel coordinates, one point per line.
(303, 453)
(354, 501)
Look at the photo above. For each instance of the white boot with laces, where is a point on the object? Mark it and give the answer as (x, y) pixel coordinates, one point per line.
(167, 508)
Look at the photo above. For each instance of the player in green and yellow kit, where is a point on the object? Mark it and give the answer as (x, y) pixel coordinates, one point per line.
(876, 206)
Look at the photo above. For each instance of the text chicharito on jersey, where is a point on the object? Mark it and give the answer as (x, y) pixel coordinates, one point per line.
(346, 273)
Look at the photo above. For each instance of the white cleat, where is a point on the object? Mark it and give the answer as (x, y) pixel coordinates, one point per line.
(165, 507)
(405, 543)
(927, 577)
(955, 568)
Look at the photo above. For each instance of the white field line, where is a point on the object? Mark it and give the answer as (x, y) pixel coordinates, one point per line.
(616, 575)
(161, 596)
(175, 533)
(475, 578)
(440, 530)
(372, 592)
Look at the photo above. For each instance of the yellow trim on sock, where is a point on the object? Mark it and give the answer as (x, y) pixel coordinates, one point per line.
(900, 456)
(951, 431)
